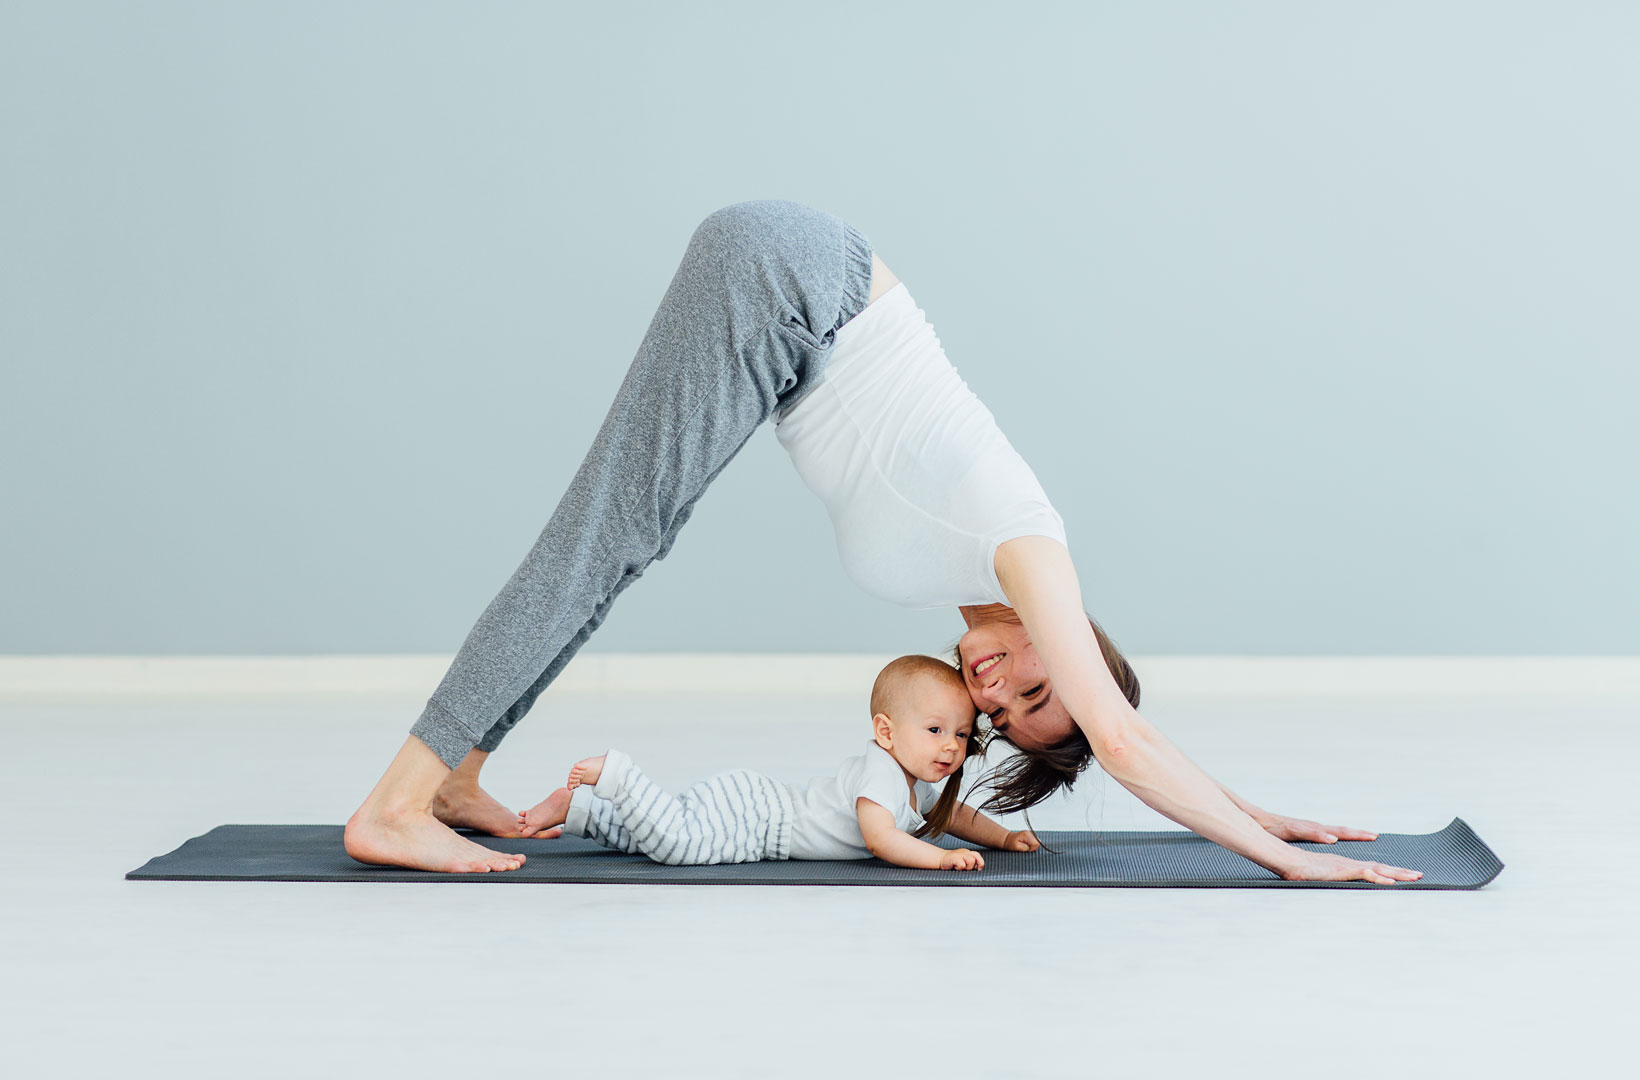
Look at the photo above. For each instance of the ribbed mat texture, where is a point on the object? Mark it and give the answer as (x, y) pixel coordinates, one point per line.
(1454, 858)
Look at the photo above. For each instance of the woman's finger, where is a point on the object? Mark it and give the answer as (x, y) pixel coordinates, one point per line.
(1298, 829)
(1396, 873)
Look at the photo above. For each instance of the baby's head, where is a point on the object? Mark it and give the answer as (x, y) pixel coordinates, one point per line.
(922, 715)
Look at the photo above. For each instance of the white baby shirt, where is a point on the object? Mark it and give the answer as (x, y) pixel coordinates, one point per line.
(826, 823)
(920, 483)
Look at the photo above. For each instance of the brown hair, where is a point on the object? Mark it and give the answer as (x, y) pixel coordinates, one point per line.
(1030, 776)
(899, 676)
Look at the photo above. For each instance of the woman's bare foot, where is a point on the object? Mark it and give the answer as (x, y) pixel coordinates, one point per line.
(462, 804)
(586, 772)
(419, 841)
(396, 826)
(549, 812)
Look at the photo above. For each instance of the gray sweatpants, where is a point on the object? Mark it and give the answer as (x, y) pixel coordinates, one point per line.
(743, 333)
(734, 817)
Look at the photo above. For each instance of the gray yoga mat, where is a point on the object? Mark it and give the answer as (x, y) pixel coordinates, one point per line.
(1454, 858)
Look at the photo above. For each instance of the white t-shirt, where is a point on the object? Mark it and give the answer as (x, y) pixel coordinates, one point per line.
(827, 825)
(920, 483)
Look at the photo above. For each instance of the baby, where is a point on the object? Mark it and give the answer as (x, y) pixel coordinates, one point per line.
(875, 804)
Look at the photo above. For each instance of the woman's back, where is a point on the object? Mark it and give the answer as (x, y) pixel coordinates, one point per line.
(920, 482)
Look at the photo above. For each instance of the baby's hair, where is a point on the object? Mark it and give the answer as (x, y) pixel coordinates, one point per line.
(901, 674)
(893, 682)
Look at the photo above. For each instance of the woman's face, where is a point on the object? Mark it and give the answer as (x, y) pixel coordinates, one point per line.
(1011, 687)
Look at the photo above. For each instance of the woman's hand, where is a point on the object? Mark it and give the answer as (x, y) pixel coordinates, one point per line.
(961, 859)
(1325, 866)
(1022, 840)
(1289, 829)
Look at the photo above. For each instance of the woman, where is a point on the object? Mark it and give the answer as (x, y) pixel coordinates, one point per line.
(782, 310)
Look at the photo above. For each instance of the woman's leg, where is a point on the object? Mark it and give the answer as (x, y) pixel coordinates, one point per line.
(742, 333)
(396, 826)
(461, 802)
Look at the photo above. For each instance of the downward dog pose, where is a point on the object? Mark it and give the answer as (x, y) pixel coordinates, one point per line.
(782, 310)
(922, 720)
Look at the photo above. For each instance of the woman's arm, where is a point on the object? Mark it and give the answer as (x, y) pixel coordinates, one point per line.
(1246, 807)
(1040, 581)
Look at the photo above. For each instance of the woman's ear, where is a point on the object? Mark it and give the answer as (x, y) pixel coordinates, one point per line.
(883, 731)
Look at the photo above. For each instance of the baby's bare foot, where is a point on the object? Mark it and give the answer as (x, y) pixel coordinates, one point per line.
(546, 814)
(586, 772)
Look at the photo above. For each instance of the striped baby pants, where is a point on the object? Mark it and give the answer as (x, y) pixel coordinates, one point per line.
(734, 817)
(742, 334)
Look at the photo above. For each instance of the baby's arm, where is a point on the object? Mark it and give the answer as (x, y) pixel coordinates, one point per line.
(902, 849)
(971, 825)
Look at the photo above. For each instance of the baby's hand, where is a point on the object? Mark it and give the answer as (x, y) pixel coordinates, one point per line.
(961, 859)
(1023, 840)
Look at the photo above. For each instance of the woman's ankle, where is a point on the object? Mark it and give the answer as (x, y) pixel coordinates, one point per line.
(411, 782)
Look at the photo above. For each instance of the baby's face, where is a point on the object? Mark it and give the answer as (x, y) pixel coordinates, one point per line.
(932, 726)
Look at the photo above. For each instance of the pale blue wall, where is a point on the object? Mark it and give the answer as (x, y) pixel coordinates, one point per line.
(1318, 322)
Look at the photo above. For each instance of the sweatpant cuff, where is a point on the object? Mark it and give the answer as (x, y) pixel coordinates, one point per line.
(580, 809)
(443, 735)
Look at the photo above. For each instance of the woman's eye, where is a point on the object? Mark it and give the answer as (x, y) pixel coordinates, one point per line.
(1033, 690)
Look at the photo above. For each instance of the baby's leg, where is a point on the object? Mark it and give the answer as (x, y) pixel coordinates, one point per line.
(723, 819)
(600, 821)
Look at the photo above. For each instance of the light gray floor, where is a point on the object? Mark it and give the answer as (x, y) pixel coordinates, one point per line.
(1530, 976)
